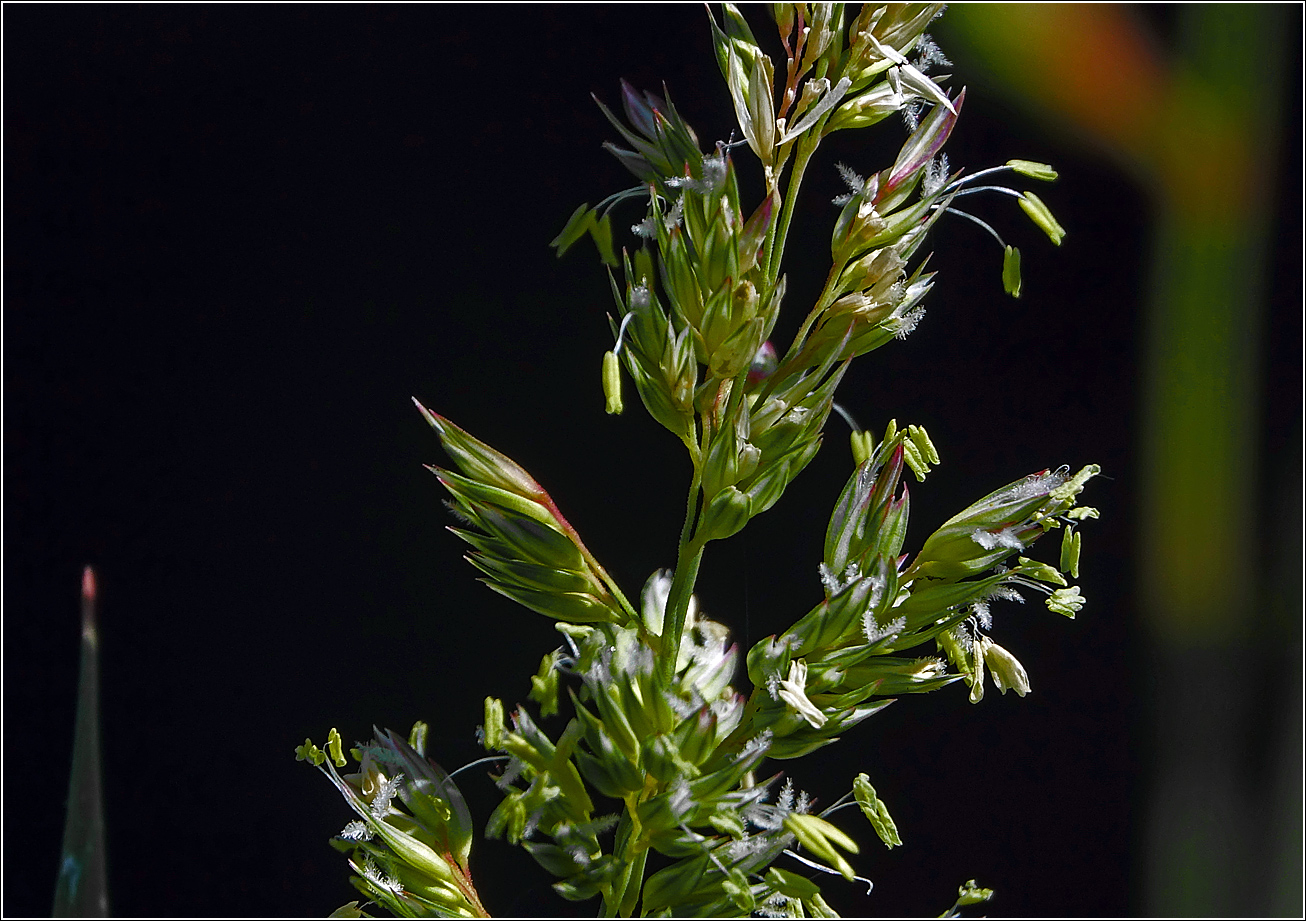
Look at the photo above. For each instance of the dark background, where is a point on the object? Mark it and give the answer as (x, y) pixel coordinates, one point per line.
(237, 239)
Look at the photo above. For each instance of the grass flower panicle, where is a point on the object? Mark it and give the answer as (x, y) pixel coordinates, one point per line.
(646, 795)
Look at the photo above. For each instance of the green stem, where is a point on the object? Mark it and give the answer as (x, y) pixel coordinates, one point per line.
(806, 147)
(673, 626)
(775, 244)
(689, 554)
(824, 301)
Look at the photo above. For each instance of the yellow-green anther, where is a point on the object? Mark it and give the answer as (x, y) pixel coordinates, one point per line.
(875, 810)
(820, 837)
(577, 632)
(417, 737)
(1070, 552)
(1079, 514)
(1066, 601)
(863, 446)
(891, 429)
(1040, 171)
(1075, 485)
(921, 439)
(834, 834)
(807, 837)
(493, 731)
(334, 748)
(310, 753)
(911, 455)
(1041, 571)
(977, 672)
(1011, 271)
(581, 220)
(971, 894)
(1038, 212)
(612, 384)
(601, 231)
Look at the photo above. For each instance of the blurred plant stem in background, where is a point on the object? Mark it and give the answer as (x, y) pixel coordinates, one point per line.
(82, 888)
(1221, 834)
(1206, 595)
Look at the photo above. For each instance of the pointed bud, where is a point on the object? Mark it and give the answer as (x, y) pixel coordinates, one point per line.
(509, 816)
(1038, 212)
(480, 462)
(728, 822)
(925, 142)
(725, 515)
